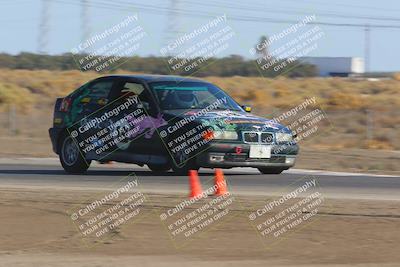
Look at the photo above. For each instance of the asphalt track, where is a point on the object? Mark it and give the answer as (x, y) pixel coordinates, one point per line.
(47, 173)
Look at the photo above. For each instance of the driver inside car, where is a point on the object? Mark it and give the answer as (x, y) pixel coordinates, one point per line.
(180, 99)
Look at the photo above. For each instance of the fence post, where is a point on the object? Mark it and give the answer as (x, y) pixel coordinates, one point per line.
(370, 125)
(12, 119)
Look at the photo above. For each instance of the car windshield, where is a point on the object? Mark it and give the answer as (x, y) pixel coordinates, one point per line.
(192, 95)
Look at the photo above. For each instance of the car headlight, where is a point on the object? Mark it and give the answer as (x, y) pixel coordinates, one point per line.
(226, 135)
(283, 137)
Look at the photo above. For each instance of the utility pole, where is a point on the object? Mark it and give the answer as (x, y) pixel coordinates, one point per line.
(85, 20)
(173, 22)
(44, 27)
(367, 44)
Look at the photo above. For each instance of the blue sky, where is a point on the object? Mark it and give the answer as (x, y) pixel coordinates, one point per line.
(20, 20)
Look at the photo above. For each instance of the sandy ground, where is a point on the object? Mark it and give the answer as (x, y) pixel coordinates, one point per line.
(36, 230)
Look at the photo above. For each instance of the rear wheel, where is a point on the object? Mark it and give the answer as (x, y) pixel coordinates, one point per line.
(70, 157)
(271, 170)
(159, 167)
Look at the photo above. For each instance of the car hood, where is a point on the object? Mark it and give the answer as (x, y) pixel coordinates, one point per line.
(229, 120)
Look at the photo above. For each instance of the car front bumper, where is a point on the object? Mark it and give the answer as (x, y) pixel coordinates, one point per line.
(228, 155)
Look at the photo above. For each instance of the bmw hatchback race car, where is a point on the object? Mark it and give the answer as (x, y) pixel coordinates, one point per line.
(165, 122)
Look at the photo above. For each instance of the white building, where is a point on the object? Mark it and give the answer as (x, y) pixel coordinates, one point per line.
(336, 66)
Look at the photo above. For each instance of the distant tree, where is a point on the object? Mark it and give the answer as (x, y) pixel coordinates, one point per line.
(233, 65)
(262, 48)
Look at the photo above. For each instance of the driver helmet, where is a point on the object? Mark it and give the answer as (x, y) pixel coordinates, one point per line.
(184, 99)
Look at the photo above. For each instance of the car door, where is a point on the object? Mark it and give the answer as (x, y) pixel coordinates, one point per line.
(143, 139)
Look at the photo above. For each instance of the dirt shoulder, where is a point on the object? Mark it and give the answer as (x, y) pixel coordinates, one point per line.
(36, 229)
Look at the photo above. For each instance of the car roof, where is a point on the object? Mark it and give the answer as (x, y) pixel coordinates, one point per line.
(154, 78)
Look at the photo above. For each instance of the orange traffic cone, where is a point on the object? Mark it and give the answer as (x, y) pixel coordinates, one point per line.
(220, 183)
(194, 184)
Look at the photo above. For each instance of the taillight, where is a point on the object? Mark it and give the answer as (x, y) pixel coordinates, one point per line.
(65, 104)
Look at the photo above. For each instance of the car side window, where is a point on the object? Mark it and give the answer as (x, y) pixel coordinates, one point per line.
(100, 90)
(95, 95)
(128, 89)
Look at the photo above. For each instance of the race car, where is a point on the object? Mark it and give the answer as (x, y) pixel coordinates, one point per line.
(165, 122)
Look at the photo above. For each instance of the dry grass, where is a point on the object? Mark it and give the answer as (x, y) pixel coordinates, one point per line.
(344, 100)
(333, 93)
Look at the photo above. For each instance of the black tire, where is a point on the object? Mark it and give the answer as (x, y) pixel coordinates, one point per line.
(71, 158)
(271, 170)
(184, 170)
(159, 167)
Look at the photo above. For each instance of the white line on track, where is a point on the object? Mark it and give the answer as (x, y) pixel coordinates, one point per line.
(53, 161)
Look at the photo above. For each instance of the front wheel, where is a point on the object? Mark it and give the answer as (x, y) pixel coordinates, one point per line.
(159, 167)
(184, 169)
(271, 170)
(70, 157)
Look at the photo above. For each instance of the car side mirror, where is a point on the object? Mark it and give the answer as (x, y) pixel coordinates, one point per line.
(246, 108)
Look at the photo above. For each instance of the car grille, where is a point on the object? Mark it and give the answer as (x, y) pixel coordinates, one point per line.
(250, 137)
(258, 137)
(267, 138)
